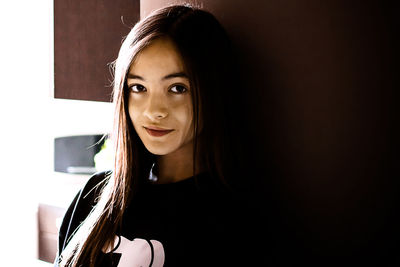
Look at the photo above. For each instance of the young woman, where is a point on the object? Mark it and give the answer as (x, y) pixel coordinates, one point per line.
(170, 199)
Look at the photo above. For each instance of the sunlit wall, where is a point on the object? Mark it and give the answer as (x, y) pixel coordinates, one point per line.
(30, 118)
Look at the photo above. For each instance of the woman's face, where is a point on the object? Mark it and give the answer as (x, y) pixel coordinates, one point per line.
(160, 105)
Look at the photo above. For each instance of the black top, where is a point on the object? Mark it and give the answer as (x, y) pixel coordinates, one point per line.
(193, 222)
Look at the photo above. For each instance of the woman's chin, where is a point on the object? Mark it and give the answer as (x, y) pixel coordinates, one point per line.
(159, 151)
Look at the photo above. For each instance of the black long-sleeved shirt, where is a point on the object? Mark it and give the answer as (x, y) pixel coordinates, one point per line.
(193, 222)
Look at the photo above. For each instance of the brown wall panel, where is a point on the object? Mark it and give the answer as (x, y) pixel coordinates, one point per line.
(87, 37)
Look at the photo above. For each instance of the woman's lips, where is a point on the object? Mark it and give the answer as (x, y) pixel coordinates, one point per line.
(155, 131)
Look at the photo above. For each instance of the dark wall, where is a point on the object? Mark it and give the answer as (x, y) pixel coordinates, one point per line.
(320, 81)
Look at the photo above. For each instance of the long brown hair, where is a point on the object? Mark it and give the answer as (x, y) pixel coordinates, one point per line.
(207, 55)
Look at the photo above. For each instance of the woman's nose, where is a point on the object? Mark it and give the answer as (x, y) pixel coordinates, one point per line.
(156, 108)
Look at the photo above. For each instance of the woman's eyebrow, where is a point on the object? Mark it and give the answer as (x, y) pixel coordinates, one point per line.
(176, 75)
(169, 76)
(134, 76)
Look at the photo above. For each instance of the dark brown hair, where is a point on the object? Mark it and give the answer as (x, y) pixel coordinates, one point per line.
(207, 55)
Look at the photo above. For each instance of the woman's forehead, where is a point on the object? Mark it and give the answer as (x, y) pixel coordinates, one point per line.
(160, 57)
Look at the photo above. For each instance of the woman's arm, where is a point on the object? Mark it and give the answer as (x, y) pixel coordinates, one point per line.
(78, 210)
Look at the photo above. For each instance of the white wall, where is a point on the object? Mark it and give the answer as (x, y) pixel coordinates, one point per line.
(29, 119)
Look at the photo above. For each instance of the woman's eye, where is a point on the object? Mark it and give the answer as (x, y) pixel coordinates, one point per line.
(137, 88)
(178, 89)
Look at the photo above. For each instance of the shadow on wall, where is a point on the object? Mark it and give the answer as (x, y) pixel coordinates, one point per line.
(318, 108)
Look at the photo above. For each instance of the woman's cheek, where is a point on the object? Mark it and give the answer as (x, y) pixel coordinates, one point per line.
(184, 115)
(135, 107)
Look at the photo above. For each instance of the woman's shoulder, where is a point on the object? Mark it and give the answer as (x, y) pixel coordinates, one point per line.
(95, 183)
(87, 197)
(97, 178)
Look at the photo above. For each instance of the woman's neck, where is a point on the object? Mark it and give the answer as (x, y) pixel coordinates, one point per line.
(177, 166)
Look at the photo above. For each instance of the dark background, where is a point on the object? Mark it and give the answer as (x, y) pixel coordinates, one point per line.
(321, 97)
